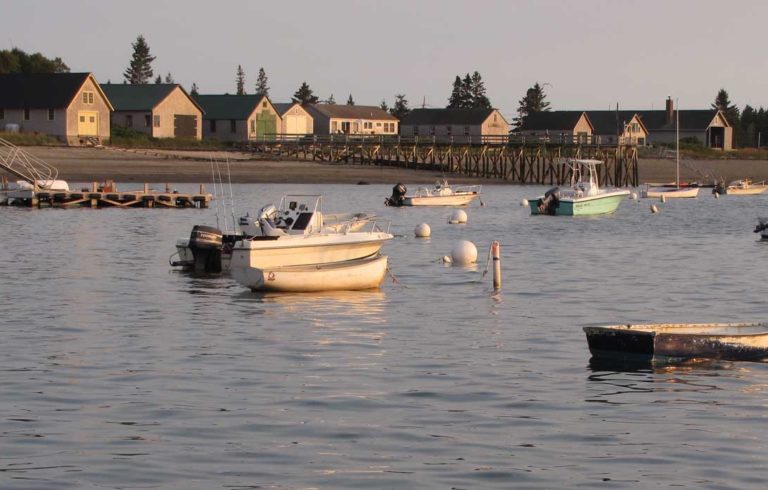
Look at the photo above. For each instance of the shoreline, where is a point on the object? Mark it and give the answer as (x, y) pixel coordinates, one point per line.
(79, 164)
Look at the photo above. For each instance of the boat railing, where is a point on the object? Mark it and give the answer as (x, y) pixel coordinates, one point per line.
(26, 166)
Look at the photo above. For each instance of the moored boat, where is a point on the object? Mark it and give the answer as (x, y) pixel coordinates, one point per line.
(762, 228)
(357, 274)
(441, 194)
(673, 342)
(671, 192)
(583, 198)
(741, 187)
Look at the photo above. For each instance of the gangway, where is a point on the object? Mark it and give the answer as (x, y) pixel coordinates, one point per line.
(25, 166)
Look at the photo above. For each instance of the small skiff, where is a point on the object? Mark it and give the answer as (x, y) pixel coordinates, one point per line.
(365, 273)
(680, 341)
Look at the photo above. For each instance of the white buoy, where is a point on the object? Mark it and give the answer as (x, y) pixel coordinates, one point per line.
(633, 196)
(496, 256)
(446, 259)
(654, 209)
(464, 253)
(717, 195)
(457, 216)
(422, 230)
(663, 199)
(524, 202)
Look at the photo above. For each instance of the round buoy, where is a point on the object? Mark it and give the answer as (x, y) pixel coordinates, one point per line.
(633, 196)
(457, 216)
(524, 202)
(464, 253)
(663, 199)
(422, 230)
(654, 209)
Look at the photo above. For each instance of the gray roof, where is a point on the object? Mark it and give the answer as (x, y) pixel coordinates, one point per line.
(237, 107)
(692, 120)
(610, 122)
(439, 117)
(551, 120)
(283, 107)
(40, 91)
(127, 97)
(351, 111)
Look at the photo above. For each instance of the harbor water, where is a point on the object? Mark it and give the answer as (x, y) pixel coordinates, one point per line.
(118, 372)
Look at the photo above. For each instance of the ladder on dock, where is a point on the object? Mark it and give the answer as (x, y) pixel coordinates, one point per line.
(26, 166)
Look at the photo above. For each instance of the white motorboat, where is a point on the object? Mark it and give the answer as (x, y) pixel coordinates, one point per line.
(364, 273)
(741, 187)
(441, 194)
(584, 197)
(295, 216)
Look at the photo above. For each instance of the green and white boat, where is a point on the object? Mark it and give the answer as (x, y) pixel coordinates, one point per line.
(583, 198)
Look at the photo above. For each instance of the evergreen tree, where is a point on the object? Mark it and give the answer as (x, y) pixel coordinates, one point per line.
(477, 93)
(748, 124)
(466, 92)
(532, 102)
(17, 61)
(400, 109)
(169, 78)
(304, 95)
(383, 105)
(458, 98)
(262, 83)
(194, 90)
(139, 70)
(350, 100)
(331, 100)
(723, 103)
(159, 80)
(240, 81)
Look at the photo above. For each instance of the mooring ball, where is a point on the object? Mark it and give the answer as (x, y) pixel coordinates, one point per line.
(654, 209)
(663, 199)
(717, 195)
(633, 196)
(447, 259)
(524, 202)
(464, 252)
(422, 230)
(457, 216)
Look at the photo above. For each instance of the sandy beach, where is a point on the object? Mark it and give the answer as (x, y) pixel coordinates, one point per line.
(164, 166)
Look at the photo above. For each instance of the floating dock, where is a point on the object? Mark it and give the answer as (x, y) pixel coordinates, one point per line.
(102, 196)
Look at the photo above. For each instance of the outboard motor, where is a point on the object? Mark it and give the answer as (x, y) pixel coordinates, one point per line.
(398, 196)
(550, 202)
(719, 188)
(762, 227)
(206, 244)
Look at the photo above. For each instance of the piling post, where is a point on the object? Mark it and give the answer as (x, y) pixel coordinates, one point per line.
(496, 256)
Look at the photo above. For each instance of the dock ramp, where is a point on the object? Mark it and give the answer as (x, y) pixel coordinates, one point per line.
(26, 166)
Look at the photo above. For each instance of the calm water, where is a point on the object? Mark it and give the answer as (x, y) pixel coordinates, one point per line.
(118, 372)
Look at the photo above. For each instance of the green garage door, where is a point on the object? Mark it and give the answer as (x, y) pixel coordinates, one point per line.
(266, 123)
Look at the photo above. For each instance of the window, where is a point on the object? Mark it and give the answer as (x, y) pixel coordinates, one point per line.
(264, 104)
(129, 121)
(51, 114)
(466, 131)
(87, 97)
(431, 130)
(449, 130)
(147, 121)
(415, 130)
(157, 121)
(26, 114)
(82, 119)
(212, 123)
(334, 127)
(232, 126)
(378, 124)
(253, 125)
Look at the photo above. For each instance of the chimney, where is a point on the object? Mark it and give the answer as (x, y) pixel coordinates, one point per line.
(670, 110)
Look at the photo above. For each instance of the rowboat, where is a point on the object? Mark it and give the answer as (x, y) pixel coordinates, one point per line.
(365, 273)
(584, 198)
(674, 342)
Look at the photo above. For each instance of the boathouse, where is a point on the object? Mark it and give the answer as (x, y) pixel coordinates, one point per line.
(70, 106)
(162, 110)
(708, 126)
(557, 127)
(239, 117)
(352, 119)
(296, 120)
(456, 125)
(623, 127)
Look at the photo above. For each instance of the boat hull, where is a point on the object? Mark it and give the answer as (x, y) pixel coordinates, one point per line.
(587, 206)
(365, 273)
(680, 342)
(671, 193)
(751, 191)
(459, 199)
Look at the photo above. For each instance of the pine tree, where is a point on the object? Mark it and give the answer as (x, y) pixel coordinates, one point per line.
(383, 105)
(139, 70)
(240, 81)
(350, 100)
(723, 103)
(477, 93)
(748, 124)
(262, 83)
(169, 78)
(158, 80)
(466, 92)
(532, 102)
(400, 109)
(331, 100)
(457, 100)
(304, 95)
(194, 90)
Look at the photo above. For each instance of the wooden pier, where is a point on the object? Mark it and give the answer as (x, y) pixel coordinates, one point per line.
(105, 195)
(515, 160)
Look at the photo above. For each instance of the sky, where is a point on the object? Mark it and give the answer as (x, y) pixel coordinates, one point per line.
(589, 54)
